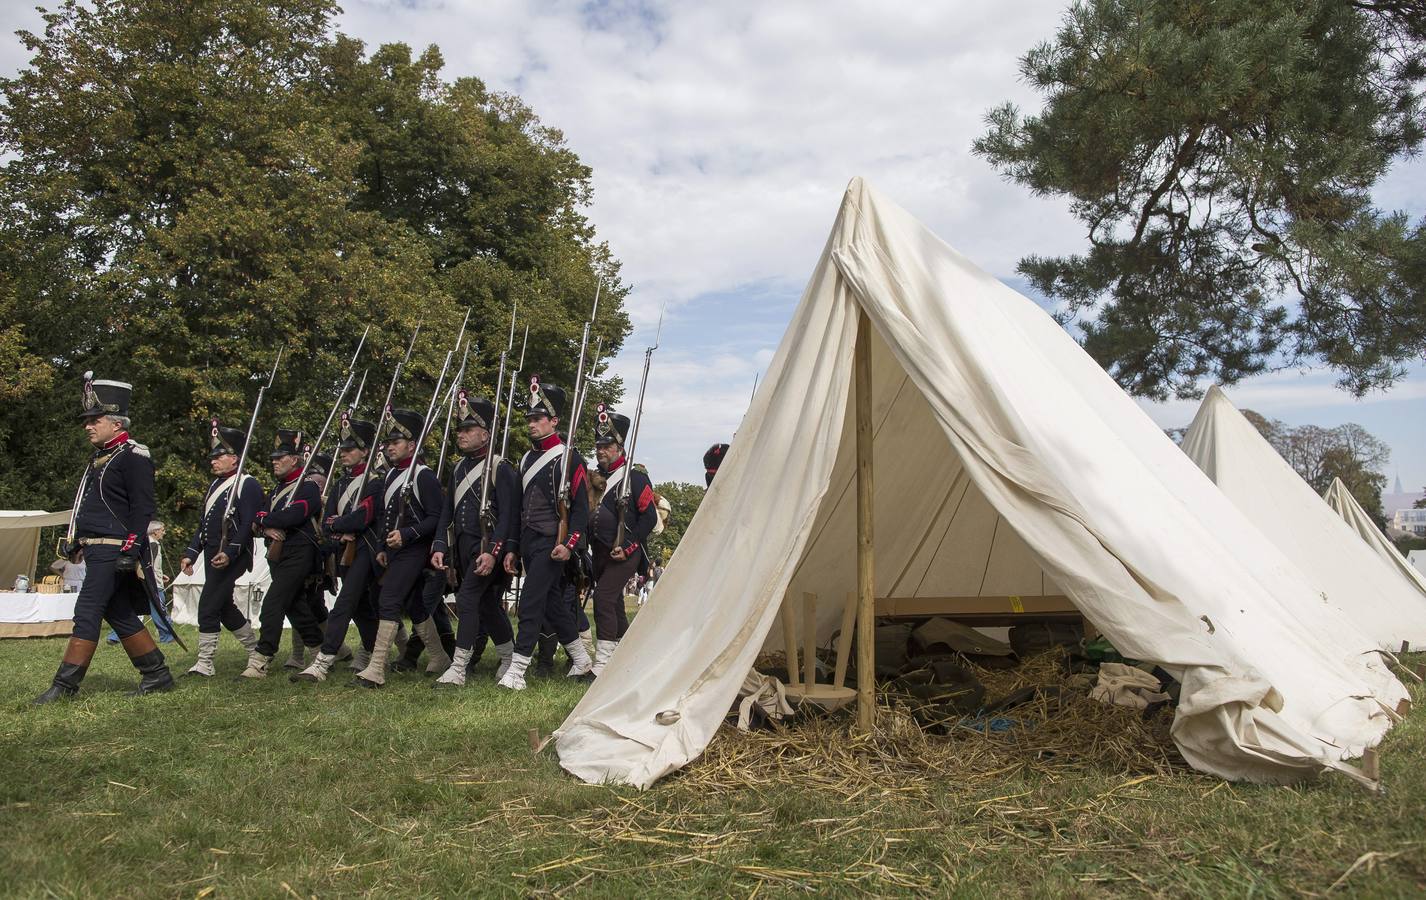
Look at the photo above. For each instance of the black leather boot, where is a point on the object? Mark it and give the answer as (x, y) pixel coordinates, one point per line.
(412, 657)
(71, 671)
(148, 659)
(545, 656)
(480, 641)
(65, 684)
(154, 670)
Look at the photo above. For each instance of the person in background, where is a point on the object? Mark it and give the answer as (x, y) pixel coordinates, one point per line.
(71, 573)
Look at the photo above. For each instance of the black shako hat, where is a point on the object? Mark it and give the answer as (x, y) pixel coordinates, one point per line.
(224, 440)
(321, 464)
(402, 424)
(477, 411)
(286, 443)
(712, 460)
(610, 427)
(355, 434)
(104, 398)
(545, 399)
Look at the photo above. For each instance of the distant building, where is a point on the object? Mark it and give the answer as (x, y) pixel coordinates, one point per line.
(1411, 521)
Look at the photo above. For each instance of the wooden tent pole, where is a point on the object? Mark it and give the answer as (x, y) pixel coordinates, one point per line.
(866, 581)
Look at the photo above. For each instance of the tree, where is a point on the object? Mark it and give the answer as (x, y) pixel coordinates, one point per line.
(193, 185)
(1222, 157)
(685, 499)
(1319, 455)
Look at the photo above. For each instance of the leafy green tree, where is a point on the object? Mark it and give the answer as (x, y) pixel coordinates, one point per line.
(1221, 156)
(193, 185)
(684, 498)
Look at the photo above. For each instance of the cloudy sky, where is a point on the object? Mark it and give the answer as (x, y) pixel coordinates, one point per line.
(721, 136)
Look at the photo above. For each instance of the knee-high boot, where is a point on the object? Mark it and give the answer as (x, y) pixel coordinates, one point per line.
(71, 671)
(374, 675)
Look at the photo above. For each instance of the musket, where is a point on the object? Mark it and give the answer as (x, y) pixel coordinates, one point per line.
(351, 408)
(622, 504)
(349, 554)
(274, 545)
(492, 462)
(510, 395)
(243, 458)
(406, 486)
(451, 405)
(562, 502)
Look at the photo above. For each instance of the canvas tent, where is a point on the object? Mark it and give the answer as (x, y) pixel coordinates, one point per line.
(20, 541)
(1346, 506)
(248, 590)
(1348, 573)
(1417, 558)
(987, 417)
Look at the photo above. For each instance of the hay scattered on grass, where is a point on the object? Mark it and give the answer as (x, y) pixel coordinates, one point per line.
(1055, 733)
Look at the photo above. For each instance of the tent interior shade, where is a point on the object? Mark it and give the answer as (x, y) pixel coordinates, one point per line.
(967, 559)
(1069, 487)
(1351, 575)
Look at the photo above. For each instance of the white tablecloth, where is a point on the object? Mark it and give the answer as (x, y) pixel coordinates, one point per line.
(36, 607)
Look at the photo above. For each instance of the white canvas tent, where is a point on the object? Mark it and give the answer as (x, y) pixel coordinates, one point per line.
(1349, 574)
(20, 541)
(1346, 506)
(1417, 558)
(988, 418)
(247, 590)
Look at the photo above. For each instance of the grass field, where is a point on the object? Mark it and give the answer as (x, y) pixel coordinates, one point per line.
(271, 789)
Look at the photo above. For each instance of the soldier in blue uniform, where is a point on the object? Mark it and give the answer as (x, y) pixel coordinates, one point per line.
(353, 521)
(411, 509)
(228, 552)
(114, 506)
(462, 540)
(286, 520)
(315, 588)
(543, 554)
(615, 565)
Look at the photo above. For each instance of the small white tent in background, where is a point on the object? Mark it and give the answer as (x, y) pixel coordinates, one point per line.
(1346, 506)
(20, 541)
(1417, 558)
(1005, 464)
(1348, 574)
(248, 590)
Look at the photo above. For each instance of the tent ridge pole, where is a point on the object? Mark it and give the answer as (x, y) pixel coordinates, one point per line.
(866, 581)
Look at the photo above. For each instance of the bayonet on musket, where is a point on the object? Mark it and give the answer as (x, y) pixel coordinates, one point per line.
(492, 462)
(562, 502)
(349, 554)
(243, 458)
(622, 504)
(510, 395)
(274, 545)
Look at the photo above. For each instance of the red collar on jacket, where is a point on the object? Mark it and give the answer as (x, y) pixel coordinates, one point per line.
(292, 476)
(117, 440)
(358, 469)
(614, 466)
(548, 441)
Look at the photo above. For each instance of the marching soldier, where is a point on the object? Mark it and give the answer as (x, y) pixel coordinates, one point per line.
(352, 517)
(226, 557)
(481, 581)
(543, 554)
(712, 460)
(617, 558)
(286, 522)
(314, 590)
(410, 512)
(110, 521)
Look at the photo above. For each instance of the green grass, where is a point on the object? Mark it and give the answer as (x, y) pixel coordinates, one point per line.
(271, 789)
